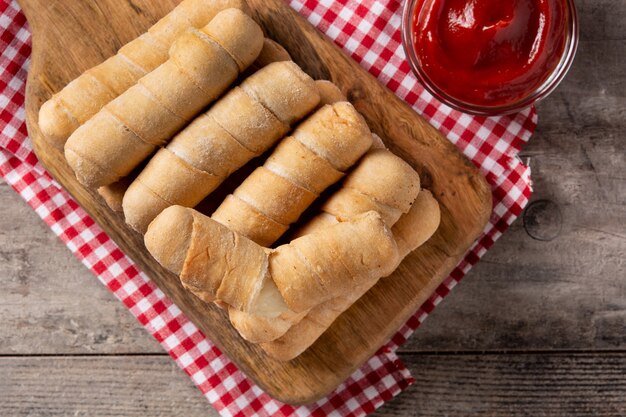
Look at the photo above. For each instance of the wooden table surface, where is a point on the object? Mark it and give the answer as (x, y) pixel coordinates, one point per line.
(538, 328)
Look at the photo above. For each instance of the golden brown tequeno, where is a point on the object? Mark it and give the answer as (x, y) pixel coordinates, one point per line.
(236, 129)
(202, 64)
(236, 214)
(300, 270)
(333, 139)
(87, 94)
(209, 258)
(382, 182)
(216, 263)
(329, 92)
(327, 133)
(284, 106)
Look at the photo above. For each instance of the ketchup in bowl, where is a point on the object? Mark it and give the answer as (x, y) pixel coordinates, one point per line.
(490, 56)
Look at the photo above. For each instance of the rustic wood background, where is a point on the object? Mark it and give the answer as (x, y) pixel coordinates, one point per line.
(538, 328)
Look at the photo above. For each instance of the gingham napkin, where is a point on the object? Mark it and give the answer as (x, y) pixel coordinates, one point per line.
(369, 31)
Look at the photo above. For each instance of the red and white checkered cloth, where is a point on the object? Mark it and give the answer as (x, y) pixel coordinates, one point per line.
(369, 31)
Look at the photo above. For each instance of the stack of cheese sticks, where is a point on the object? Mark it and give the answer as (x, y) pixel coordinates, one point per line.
(157, 128)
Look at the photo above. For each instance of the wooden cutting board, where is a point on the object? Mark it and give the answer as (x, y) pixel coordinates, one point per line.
(71, 36)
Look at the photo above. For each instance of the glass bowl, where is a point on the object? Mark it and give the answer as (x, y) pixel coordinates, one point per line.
(541, 92)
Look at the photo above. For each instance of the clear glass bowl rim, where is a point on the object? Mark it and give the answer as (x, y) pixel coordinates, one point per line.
(547, 87)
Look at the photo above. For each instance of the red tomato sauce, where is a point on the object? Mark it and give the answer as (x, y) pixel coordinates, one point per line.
(489, 52)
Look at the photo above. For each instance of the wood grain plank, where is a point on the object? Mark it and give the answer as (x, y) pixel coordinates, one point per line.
(446, 385)
(534, 385)
(462, 193)
(49, 302)
(99, 386)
